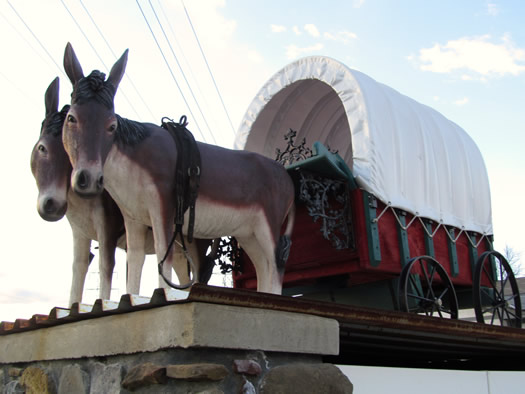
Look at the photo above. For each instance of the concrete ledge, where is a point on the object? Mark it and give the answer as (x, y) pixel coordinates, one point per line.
(184, 325)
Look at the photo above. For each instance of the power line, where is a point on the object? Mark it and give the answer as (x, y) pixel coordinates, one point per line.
(96, 27)
(96, 53)
(16, 86)
(85, 35)
(207, 65)
(115, 56)
(23, 38)
(35, 37)
(181, 51)
(170, 70)
(182, 72)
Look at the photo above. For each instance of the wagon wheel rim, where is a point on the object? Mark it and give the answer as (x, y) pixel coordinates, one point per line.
(493, 303)
(428, 291)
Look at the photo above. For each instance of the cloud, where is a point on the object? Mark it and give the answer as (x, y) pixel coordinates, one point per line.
(277, 28)
(492, 9)
(296, 30)
(478, 55)
(462, 101)
(358, 3)
(312, 30)
(293, 51)
(343, 36)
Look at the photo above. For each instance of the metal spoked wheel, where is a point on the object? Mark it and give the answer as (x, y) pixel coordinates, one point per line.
(496, 295)
(425, 288)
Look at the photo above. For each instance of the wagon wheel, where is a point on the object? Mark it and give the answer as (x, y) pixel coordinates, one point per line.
(494, 302)
(425, 288)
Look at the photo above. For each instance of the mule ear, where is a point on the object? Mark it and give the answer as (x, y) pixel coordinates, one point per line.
(51, 97)
(117, 71)
(72, 65)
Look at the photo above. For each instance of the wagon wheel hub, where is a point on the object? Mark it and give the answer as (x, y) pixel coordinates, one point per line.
(438, 302)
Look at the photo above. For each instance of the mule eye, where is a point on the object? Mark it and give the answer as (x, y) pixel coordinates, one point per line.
(42, 148)
(71, 119)
(112, 128)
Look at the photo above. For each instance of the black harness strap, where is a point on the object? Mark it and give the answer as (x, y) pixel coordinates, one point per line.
(187, 179)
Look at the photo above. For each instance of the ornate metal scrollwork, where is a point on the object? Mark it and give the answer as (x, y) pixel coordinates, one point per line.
(292, 153)
(328, 200)
(228, 256)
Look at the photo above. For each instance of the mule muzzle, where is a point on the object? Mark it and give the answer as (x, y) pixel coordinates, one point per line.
(51, 209)
(86, 184)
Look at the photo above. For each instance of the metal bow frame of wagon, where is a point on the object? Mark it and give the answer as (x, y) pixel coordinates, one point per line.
(411, 164)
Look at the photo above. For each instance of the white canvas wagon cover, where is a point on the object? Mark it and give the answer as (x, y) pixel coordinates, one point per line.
(405, 153)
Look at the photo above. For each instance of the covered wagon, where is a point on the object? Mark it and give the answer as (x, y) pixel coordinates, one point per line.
(393, 199)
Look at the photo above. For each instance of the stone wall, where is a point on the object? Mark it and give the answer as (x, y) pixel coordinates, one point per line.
(212, 371)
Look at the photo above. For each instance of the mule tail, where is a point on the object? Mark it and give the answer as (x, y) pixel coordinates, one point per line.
(282, 251)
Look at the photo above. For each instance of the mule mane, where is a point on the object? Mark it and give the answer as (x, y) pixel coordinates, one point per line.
(130, 132)
(53, 123)
(95, 87)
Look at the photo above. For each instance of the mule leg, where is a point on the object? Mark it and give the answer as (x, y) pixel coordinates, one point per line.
(136, 240)
(106, 265)
(162, 232)
(81, 260)
(180, 264)
(269, 279)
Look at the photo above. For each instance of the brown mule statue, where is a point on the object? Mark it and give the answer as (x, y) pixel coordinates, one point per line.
(96, 219)
(241, 194)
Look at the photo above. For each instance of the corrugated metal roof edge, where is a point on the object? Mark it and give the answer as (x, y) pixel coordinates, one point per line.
(79, 311)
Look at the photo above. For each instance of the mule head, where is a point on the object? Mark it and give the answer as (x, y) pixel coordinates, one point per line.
(91, 123)
(49, 162)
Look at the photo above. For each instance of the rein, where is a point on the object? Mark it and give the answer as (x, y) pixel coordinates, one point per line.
(187, 179)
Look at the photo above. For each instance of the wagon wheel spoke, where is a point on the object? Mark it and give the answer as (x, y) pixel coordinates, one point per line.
(499, 299)
(486, 292)
(494, 310)
(447, 311)
(488, 310)
(443, 293)
(512, 298)
(510, 313)
(503, 284)
(422, 293)
(418, 297)
(500, 314)
(491, 280)
(429, 278)
(415, 286)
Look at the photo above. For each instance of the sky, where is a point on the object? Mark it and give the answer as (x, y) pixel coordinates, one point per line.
(465, 59)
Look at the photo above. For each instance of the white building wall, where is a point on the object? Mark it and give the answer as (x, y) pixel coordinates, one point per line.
(379, 380)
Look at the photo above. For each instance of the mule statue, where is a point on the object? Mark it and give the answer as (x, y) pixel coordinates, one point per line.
(241, 194)
(96, 219)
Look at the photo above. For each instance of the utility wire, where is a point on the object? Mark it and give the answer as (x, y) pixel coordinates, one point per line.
(182, 72)
(16, 86)
(35, 37)
(207, 65)
(114, 54)
(181, 51)
(96, 53)
(170, 70)
(23, 38)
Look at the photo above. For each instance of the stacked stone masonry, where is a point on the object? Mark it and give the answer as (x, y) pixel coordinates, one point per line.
(178, 371)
